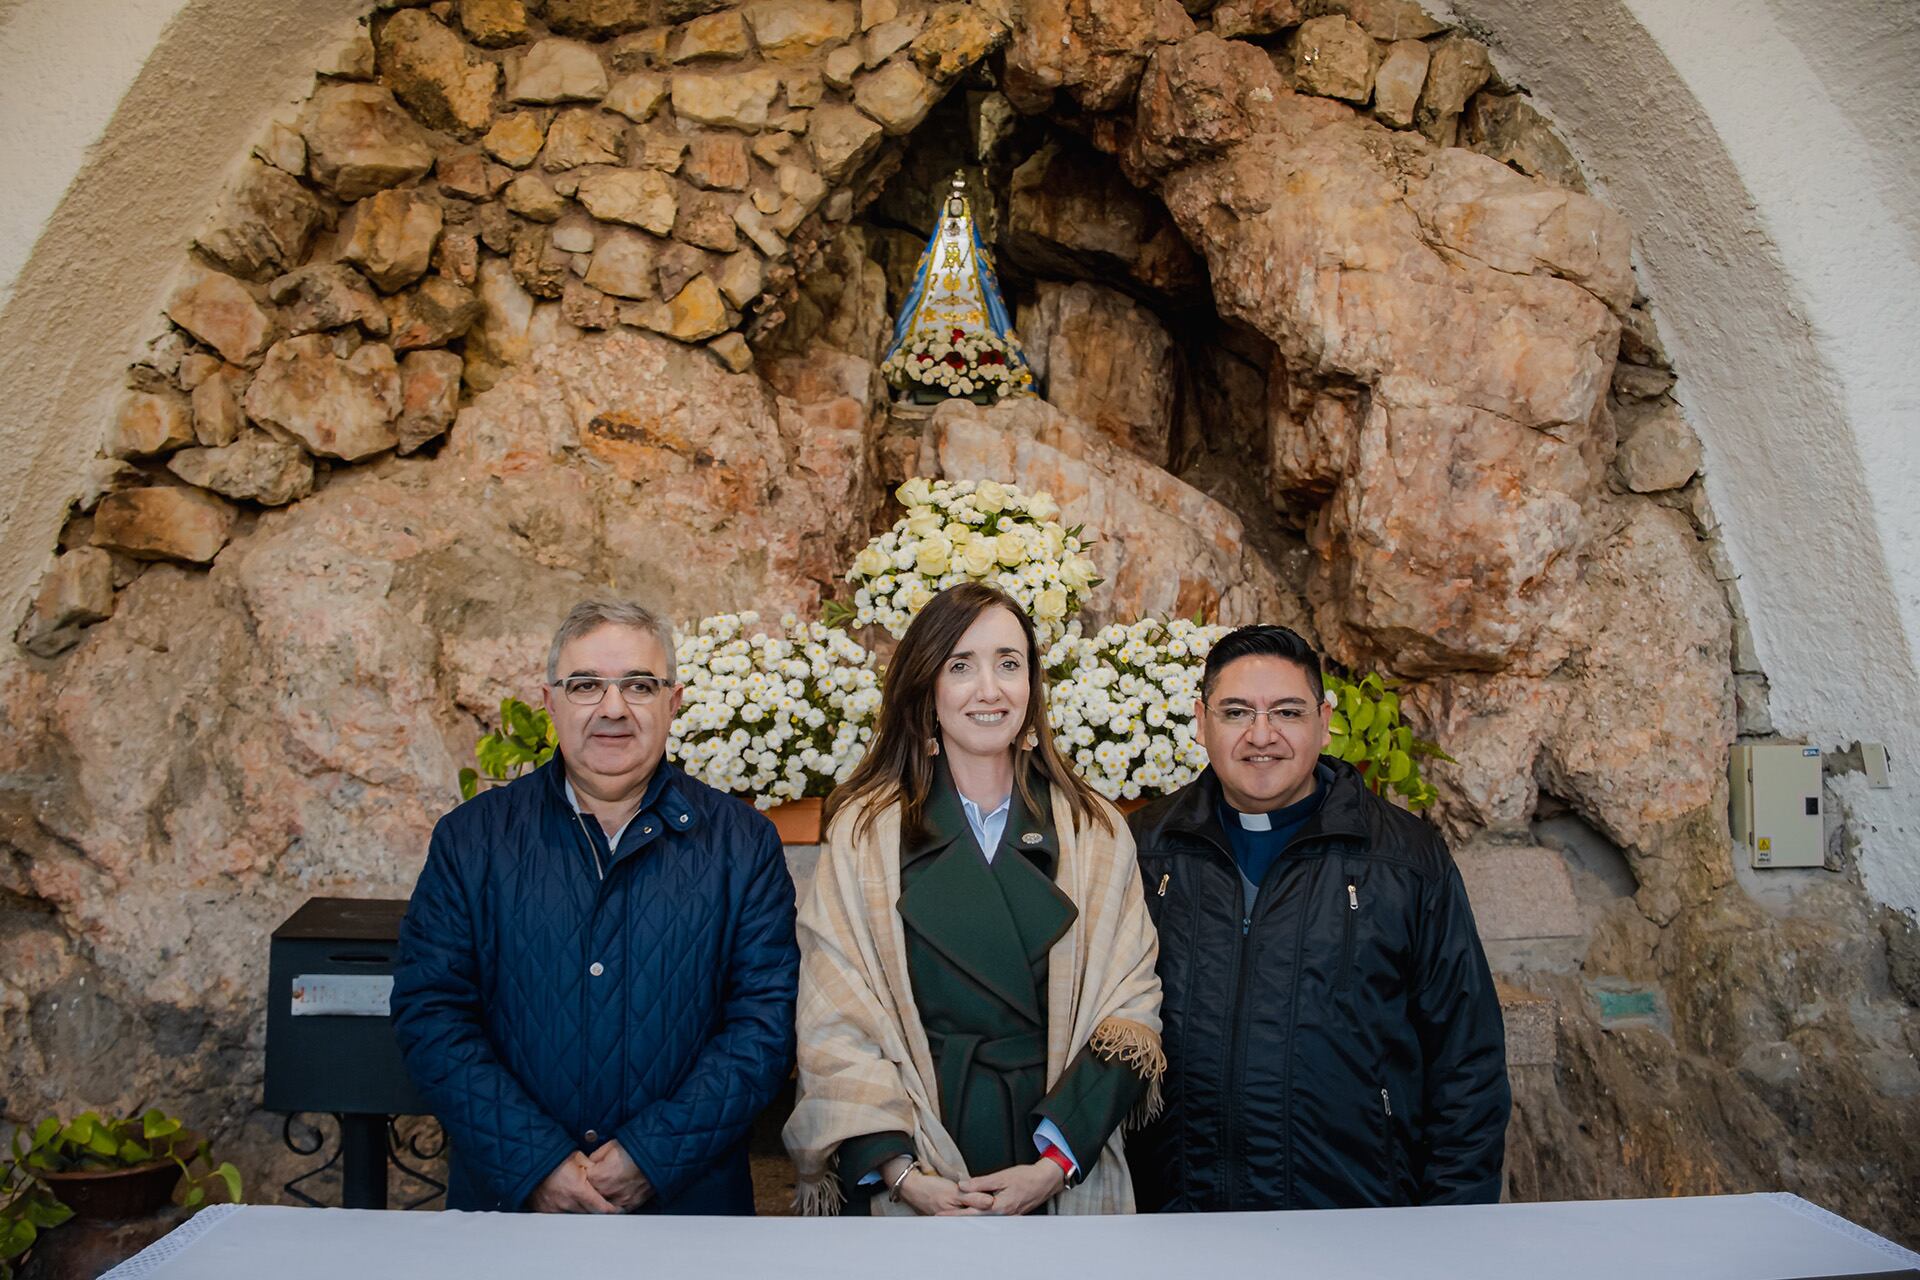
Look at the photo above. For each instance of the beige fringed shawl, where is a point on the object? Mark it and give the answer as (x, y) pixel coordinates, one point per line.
(865, 1065)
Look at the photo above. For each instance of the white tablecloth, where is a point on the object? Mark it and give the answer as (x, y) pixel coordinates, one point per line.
(1757, 1237)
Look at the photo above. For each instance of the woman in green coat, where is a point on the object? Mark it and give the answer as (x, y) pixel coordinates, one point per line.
(978, 1007)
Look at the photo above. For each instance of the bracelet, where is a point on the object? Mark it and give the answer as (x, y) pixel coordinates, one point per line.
(893, 1191)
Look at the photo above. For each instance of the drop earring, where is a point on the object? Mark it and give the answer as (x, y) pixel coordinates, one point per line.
(933, 746)
(1032, 742)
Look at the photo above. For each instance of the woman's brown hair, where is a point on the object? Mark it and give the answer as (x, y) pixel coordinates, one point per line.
(898, 764)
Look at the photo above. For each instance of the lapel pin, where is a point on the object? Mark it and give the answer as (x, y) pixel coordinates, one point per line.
(1032, 837)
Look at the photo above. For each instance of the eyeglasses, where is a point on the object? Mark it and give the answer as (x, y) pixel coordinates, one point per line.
(590, 691)
(1239, 717)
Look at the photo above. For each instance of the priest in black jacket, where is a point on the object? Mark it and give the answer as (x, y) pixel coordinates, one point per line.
(1332, 1035)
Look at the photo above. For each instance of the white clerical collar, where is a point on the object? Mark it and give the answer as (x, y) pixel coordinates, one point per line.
(1254, 821)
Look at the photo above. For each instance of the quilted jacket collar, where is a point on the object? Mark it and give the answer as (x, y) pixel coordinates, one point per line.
(666, 797)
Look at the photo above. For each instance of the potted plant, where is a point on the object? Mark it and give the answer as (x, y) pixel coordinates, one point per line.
(780, 718)
(94, 1167)
(525, 740)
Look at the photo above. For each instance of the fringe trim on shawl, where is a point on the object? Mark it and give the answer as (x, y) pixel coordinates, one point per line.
(1129, 1042)
(820, 1196)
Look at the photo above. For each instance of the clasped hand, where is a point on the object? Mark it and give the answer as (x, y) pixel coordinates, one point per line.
(608, 1181)
(1012, 1191)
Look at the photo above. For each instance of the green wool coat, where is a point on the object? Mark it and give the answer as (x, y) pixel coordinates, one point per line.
(977, 935)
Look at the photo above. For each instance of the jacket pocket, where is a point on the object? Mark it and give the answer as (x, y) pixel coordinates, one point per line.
(1393, 1156)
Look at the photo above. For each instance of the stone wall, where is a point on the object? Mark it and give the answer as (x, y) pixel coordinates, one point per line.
(532, 299)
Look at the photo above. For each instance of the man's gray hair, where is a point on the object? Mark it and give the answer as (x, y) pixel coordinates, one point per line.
(591, 615)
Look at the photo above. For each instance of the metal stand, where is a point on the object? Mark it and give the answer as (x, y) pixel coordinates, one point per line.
(368, 1145)
(363, 1162)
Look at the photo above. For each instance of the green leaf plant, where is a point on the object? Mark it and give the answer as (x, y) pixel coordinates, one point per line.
(1367, 733)
(525, 740)
(91, 1142)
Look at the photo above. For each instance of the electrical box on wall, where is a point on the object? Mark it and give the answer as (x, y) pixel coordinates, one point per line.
(1776, 805)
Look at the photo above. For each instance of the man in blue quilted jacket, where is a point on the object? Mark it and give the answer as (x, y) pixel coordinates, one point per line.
(597, 971)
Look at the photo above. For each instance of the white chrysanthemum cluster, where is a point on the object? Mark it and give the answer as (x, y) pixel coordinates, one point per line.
(960, 364)
(1121, 705)
(972, 530)
(776, 717)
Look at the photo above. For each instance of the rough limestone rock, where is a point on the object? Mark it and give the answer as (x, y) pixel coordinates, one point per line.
(1460, 65)
(429, 397)
(1072, 213)
(515, 139)
(1512, 132)
(1397, 85)
(1384, 19)
(639, 198)
(557, 71)
(218, 310)
(636, 96)
(1334, 58)
(584, 136)
(596, 19)
(793, 30)
(163, 523)
(360, 141)
(623, 264)
(1658, 451)
(77, 592)
(897, 95)
(327, 296)
(263, 226)
(842, 139)
(1236, 18)
(255, 467)
(1094, 50)
(1107, 361)
(695, 313)
(494, 24)
(705, 219)
(150, 423)
(1650, 681)
(1165, 549)
(889, 38)
(733, 100)
(1489, 340)
(434, 72)
(217, 416)
(533, 197)
(720, 35)
(390, 237)
(717, 162)
(956, 37)
(338, 407)
(431, 315)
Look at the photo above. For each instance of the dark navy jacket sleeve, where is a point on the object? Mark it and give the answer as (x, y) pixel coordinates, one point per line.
(1463, 1039)
(750, 1054)
(496, 1127)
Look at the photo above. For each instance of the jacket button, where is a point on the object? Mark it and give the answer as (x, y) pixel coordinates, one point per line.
(596, 968)
(590, 1136)
(646, 831)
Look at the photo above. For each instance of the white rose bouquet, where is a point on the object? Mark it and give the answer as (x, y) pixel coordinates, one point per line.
(971, 530)
(1121, 705)
(960, 364)
(774, 717)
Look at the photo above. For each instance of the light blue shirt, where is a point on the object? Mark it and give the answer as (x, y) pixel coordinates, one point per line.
(988, 828)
